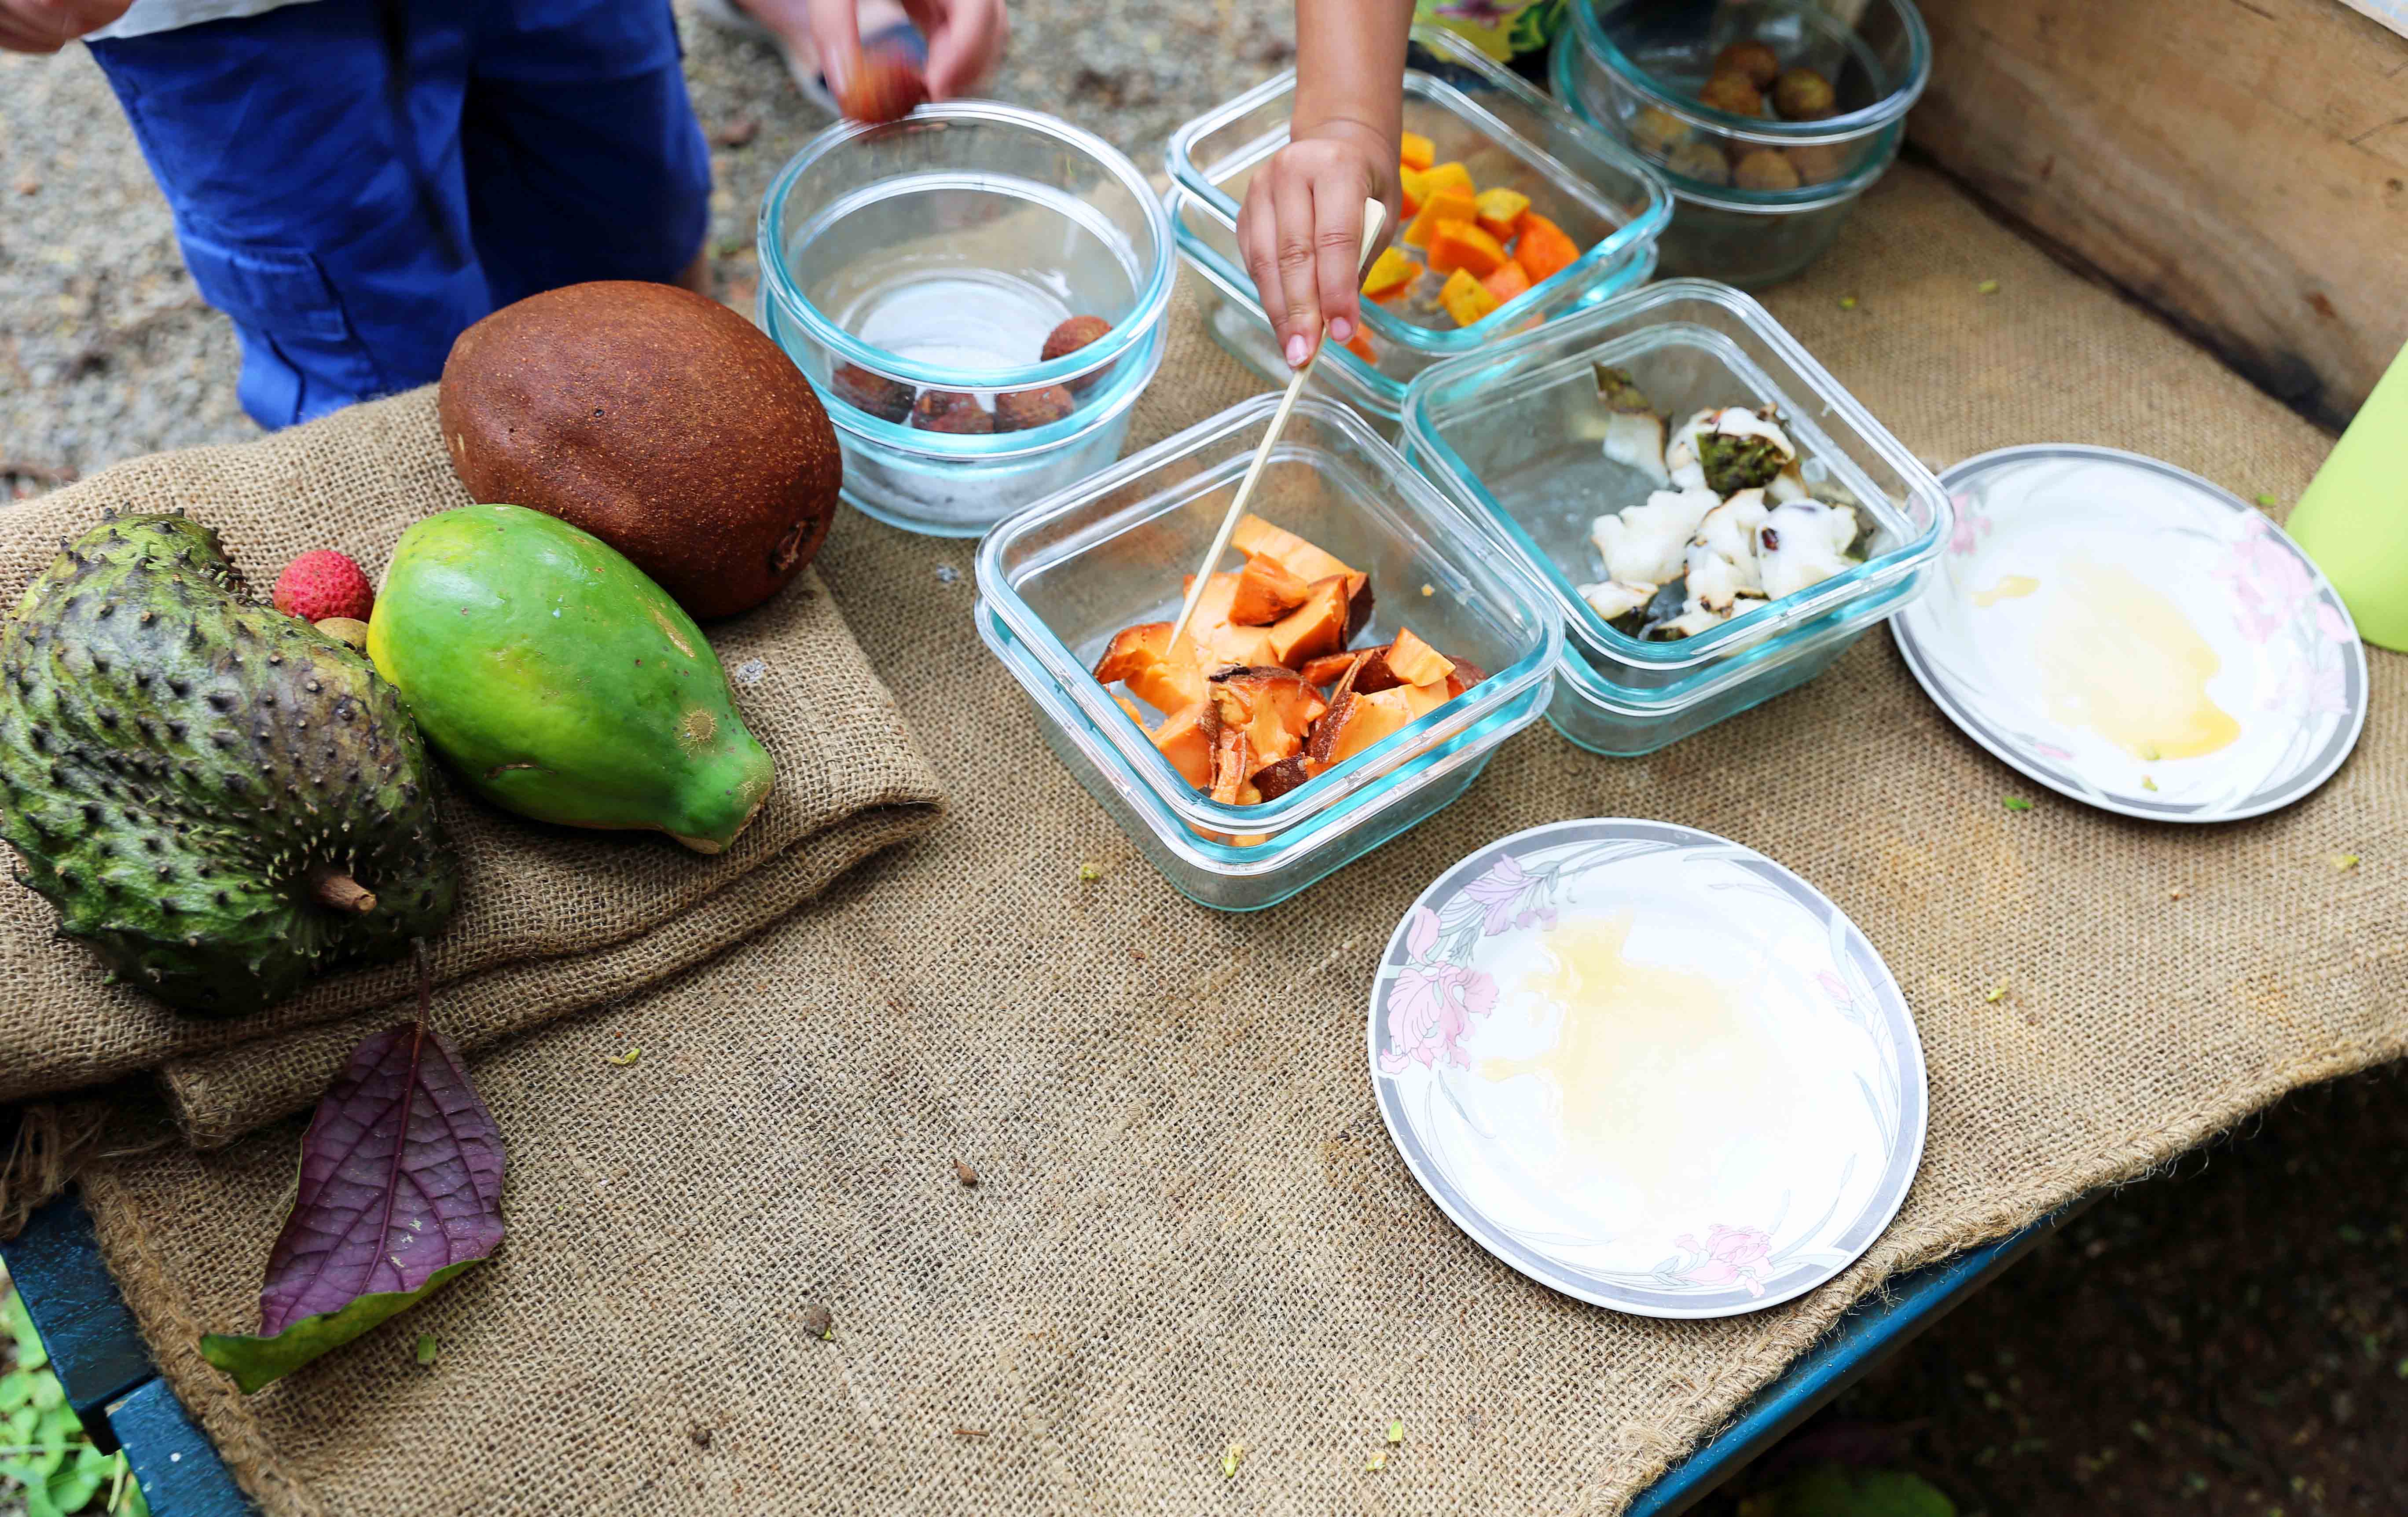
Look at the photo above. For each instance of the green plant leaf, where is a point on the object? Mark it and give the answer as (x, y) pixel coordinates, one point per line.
(254, 1362)
(30, 1352)
(1838, 1491)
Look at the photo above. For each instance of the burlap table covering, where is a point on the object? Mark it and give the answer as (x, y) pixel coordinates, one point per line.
(551, 919)
(1189, 1229)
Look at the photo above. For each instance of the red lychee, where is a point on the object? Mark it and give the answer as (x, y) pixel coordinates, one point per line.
(323, 583)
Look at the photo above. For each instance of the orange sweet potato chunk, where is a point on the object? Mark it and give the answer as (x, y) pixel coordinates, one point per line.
(1274, 707)
(1507, 280)
(1266, 591)
(1257, 538)
(1138, 658)
(1462, 245)
(1416, 151)
(1443, 205)
(1316, 627)
(1218, 639)
(1501, 212)
(1542, 249)
(1465, 298)
(1414, 662)
(1186, 738)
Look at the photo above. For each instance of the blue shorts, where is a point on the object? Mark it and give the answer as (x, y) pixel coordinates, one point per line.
(355, 182)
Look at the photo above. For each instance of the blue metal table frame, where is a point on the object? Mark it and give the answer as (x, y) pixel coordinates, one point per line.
(116, 1390)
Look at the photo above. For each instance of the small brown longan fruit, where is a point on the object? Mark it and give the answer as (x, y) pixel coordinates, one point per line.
(1072, 336)
(1752, 58)
(1023, 410)
(1800, 95)
(950, 410)
(1818, 163)
(1700, 161)
(1734, 92)
(1764, 168)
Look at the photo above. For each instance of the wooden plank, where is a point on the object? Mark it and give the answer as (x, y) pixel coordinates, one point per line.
(178, 1470)
(94, 1348)
(2240, 166)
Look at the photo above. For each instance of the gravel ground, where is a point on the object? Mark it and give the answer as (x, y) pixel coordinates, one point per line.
(105, 351)
(2232, 1342)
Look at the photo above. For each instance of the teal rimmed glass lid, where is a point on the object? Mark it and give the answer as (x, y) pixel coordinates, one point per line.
(2135, 638)
(1648, 1066)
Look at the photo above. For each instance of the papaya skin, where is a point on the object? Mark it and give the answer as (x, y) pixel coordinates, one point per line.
(561, 683)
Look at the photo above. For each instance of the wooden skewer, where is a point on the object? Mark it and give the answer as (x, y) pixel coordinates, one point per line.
(1374, 214)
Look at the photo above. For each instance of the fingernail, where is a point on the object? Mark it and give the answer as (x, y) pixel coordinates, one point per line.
(1297, 348)
(1340, 329)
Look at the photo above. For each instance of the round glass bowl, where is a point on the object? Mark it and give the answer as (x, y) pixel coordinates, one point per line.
(1758, 198)
(907, 266)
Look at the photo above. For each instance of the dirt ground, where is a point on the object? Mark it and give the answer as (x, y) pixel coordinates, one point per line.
(2227, 1340)
(2231, 1339)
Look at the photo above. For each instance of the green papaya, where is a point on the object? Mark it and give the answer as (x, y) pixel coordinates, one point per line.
(560, 682)
(220, 799)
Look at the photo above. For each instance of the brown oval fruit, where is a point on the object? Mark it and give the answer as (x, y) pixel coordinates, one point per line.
(1800, 95)
(661, 422)
(1067, 338)
(1734, 92)
(889, 400)
(1021, 411)
(1817, 163)
(1760, 63)
(950, 410)
(885, 86)
(1765, 169)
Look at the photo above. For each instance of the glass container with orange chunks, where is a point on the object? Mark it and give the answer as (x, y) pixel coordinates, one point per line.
(1515, 212)
(1348, 671)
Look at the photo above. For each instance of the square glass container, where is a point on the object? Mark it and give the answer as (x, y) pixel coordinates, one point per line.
(1517, 431)
(1510, 136)
(1246, 873)
(1065, 575)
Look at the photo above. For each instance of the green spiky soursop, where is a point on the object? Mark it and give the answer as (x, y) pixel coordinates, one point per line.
(218, 797)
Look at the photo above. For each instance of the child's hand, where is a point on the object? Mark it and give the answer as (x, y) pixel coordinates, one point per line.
(1301, 231)
(47, 25)
(965, 40)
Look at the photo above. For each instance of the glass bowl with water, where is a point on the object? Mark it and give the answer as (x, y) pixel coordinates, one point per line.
(913, 272)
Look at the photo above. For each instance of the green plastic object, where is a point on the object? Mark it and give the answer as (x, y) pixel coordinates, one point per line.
(2353, 519)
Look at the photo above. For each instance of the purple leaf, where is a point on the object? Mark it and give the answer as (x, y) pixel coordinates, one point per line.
(400, 1189)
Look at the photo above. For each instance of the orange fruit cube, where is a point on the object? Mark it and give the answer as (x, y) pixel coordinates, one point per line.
(1509, 278)
(1443, 205)
(1416, 151)
(1450, 176)
(1392, 271)
(1465, 299)
(1415, 186)
(1542, 249)
(1463, 245)
(1500, 212)
(1360, 346)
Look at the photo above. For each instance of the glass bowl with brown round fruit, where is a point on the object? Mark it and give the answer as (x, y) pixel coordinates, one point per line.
(978, 292)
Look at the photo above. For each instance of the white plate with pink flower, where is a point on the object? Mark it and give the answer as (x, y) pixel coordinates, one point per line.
(2133, 636)
(1648, 1066)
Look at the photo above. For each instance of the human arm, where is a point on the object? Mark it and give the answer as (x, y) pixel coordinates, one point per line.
(1301, 227)
(47, 25)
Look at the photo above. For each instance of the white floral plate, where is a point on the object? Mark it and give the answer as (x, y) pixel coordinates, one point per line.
(1648, 1066)
(2134, 637)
